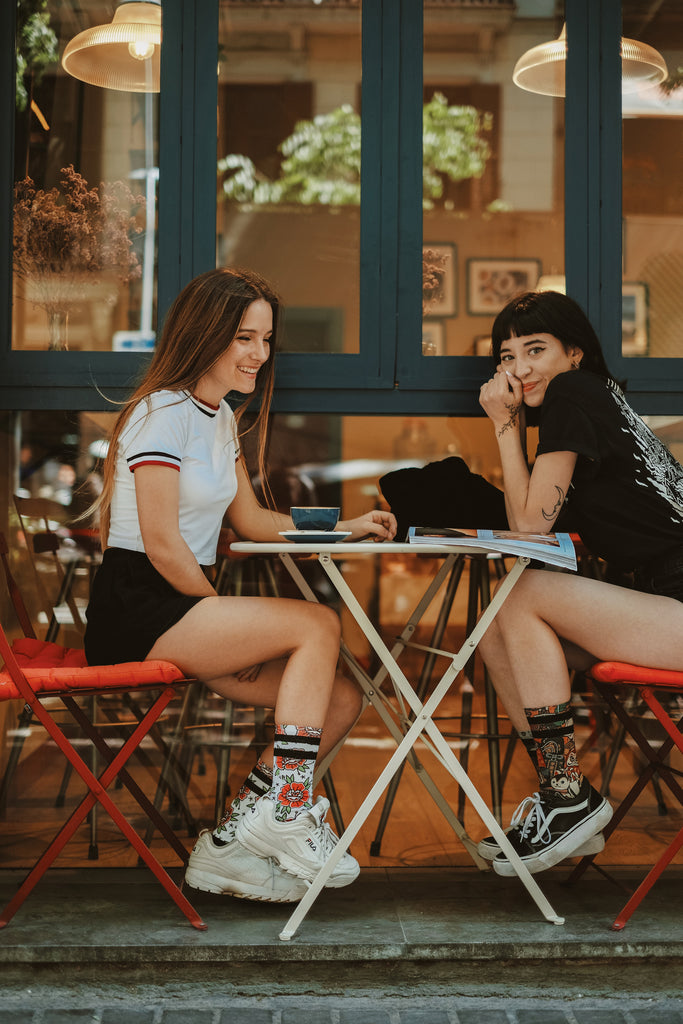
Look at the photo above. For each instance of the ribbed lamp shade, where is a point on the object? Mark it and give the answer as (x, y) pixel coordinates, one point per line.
(123, 55)
(541, 69)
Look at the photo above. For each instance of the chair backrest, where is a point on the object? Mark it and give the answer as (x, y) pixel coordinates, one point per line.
(40, 518)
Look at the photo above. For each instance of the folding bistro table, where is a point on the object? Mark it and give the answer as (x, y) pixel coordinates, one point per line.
(414, 718)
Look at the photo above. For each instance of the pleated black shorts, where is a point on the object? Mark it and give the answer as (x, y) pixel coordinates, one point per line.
(131, 605)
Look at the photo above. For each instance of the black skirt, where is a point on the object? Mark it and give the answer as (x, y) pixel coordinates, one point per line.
(131, 605)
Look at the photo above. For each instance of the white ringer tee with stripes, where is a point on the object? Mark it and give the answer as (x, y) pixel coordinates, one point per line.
(199, 441)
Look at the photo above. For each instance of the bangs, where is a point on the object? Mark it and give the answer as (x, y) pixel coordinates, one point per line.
(525, 316)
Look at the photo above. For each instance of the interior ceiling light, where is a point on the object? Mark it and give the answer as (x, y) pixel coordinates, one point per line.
(541, 69)
(123, 55)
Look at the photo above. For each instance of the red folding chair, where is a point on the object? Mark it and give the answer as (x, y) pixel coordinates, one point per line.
(35, 671)
(611, 679)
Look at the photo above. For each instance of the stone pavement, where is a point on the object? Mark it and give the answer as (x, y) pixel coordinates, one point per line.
(400, 946)
(315, 1011)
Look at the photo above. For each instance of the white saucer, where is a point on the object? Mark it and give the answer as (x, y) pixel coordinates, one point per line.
(315, 536)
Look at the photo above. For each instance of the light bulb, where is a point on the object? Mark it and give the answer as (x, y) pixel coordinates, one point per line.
(140, 49)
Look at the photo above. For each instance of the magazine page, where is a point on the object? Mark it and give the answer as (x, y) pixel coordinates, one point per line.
(552, 548)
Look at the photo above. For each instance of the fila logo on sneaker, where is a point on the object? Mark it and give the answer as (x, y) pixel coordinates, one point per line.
(310, 843)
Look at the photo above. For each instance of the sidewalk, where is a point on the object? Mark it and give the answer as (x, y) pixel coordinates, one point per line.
(439, 943)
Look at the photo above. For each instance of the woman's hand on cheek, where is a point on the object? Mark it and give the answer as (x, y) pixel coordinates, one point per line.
(501, 399)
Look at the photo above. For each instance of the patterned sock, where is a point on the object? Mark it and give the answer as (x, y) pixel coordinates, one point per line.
(257, 783)
(529, 745)
(295, 752)
(552, 729)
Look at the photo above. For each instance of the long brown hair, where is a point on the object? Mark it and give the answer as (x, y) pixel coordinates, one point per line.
(199, 327)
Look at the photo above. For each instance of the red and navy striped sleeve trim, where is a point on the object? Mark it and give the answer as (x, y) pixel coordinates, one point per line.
(153, 459)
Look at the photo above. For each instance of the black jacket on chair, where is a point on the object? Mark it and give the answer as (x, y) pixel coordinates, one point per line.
(444, 493)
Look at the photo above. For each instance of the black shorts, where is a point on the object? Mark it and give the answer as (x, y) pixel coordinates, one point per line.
(131, 605)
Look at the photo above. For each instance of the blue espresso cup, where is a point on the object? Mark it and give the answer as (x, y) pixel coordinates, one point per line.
(314, 517)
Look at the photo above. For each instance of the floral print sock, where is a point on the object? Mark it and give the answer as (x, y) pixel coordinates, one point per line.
(295, 753)
(552, 729)
(257, 783)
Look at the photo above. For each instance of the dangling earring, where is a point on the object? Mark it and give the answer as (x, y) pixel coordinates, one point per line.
(576, 363)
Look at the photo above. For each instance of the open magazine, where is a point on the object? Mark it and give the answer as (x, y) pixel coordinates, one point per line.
(553, 548)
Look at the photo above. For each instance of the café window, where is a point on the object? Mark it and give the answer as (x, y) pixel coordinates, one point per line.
(289, 141)
(86, 168)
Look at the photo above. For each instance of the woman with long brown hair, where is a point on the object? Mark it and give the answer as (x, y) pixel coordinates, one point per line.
(173, 469)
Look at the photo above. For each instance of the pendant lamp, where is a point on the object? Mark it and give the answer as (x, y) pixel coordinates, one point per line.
(123, 55)
(541, 69)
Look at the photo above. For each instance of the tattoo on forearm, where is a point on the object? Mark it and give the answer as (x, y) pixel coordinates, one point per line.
(513, 409)
(553, 513)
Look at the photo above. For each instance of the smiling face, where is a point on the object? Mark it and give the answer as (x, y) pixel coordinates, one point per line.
(237, 368)
(535, 359)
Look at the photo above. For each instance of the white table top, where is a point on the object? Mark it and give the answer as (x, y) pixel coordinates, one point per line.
(362, 547)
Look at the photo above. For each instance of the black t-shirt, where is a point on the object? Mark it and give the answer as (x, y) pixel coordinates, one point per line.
(626, 496)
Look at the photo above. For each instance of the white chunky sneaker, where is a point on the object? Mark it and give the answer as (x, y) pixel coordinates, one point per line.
(235, 871)
(301, 846)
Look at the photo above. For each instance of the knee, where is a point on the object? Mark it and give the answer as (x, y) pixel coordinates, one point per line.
(325, 623)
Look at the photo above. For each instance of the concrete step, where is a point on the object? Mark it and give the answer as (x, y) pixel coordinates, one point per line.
(432, 930)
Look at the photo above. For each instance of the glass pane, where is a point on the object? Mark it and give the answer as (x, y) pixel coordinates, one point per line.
(493, 171)
(86, 173)
(289, 160)
(653, 190)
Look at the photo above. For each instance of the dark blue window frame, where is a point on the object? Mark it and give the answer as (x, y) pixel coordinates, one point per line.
(388, 375)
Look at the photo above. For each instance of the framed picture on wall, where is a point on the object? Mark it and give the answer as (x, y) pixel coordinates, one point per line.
(492, 283)
(634, 303)
(433, 338)
(439, 279)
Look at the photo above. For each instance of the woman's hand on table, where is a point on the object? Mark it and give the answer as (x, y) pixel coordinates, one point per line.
(377, 524)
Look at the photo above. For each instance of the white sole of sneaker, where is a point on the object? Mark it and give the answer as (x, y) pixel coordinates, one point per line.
(596, 844)
(220, 886)
(566, 847)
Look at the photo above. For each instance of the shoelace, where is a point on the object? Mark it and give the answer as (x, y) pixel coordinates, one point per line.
(531, 809)
(324, 834)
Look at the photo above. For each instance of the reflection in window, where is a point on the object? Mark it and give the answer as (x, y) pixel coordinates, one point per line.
(289, 160)
(493, 211)
(86, 171)
(653, 191)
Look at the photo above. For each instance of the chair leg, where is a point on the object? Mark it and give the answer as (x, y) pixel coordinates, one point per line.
(331, 794)
(647, 883)
(223, 762)
(97, 792)
(467, 689)
(422, 687)
(23, 723)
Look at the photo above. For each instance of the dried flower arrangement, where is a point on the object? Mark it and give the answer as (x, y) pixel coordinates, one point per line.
(61, 235)
(433, 264)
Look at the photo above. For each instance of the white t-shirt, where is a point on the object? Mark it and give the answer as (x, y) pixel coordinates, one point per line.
(176, 429)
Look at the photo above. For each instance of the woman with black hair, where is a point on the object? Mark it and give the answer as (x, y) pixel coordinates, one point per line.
(623, 491)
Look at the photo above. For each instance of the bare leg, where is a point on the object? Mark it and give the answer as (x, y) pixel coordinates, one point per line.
(221, 636)
(297, 646)
(611, 622)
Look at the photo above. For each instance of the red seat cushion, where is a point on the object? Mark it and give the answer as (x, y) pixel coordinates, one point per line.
(51, 668)
(621, 672)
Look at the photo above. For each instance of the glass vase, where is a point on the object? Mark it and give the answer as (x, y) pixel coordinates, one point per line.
(58, 323)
